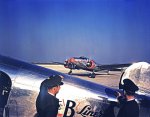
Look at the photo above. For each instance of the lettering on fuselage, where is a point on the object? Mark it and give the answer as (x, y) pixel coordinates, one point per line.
(87, 110)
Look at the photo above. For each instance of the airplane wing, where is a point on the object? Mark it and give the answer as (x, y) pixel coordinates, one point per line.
(49, 63)
(112, 67)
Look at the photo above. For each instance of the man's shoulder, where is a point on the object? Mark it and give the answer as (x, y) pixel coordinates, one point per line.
(51, 97)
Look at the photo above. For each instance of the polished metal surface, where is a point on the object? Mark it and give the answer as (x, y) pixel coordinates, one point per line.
(78, 98)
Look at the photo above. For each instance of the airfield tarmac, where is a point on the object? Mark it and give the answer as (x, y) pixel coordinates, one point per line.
(111, 80)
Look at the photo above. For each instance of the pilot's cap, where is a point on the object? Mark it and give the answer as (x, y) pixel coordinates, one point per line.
(53, 80)
(129, 86)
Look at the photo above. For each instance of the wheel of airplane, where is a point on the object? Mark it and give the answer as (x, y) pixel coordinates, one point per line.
(70, 71)
(92, 75)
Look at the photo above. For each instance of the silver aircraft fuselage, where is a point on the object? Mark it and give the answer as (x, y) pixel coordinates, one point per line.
(78, 98)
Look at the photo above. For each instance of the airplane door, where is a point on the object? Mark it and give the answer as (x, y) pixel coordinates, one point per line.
(5, 87)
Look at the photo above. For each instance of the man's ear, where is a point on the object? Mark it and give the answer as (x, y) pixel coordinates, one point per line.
(55, 88)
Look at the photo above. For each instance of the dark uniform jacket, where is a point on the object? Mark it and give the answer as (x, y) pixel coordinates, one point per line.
(47, 105)
(129, 109)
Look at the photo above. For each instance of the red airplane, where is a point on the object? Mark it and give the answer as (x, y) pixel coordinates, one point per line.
(85, 63)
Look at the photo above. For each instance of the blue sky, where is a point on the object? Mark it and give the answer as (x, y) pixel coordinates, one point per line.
(108, 31)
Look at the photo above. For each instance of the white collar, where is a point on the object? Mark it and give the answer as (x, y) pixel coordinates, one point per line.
(51, 94)
(131, 99)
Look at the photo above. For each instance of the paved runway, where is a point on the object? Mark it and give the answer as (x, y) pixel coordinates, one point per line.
(111, 79)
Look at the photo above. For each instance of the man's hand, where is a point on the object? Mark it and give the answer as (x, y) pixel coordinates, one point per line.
(117, 94)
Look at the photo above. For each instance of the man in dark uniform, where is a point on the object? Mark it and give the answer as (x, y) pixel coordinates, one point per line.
(47, 104)
(128, 105)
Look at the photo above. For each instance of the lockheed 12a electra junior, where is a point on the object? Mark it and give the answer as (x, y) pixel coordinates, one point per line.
(20, 84)
(85, 63)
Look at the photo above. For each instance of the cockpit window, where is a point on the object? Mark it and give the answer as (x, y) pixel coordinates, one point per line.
(139, 73)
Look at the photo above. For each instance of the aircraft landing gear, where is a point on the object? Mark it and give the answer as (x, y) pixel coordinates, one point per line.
(70, 71)
(92, 75)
